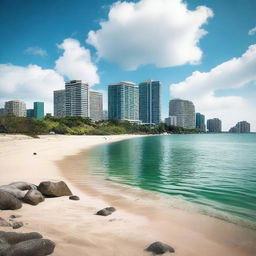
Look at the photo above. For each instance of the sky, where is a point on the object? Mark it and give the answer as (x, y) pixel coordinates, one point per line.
(200, 50)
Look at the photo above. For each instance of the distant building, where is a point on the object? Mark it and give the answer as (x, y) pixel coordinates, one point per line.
(15, 107)
(184, 110)
(96, 105)
(59, 103)
(200, 122)
(105, 115)
(39, 110)
(30, 113)
(241, 127)
(123, 101)
(149, 102)
(171, 121)
(77, 98)
(2, 112)
(214, 125)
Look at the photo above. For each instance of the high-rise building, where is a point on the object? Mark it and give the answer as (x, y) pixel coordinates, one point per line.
(59, 103)
(105, 115)
(77, 98)
(241, 127)
(171, 121)
(15, 107)
(39, 110)
(30, 112)
(149, 102)
(214, 125)
(184, 110)
(123, 101)
(96, 105)
(200, 122)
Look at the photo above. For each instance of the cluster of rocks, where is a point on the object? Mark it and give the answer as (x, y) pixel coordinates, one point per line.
(11, 198)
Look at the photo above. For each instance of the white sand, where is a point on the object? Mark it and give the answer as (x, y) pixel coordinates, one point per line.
(141, 217)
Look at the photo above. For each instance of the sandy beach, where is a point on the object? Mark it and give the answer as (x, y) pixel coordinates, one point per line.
(141, 218)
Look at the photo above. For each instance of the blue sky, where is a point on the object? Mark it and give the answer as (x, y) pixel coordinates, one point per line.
(33, 33)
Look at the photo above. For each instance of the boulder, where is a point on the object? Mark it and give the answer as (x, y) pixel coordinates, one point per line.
(24, 244)
(74, 197)
(14, 216)
(4, 223)
(34, 247)
(106, 211)
(16, 225)
(159, 248)
(33, 197)
(8, 201)
(54, 189)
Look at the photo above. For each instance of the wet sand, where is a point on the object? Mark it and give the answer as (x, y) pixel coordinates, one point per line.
(141, 218)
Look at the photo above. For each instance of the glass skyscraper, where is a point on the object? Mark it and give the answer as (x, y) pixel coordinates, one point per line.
(149, 102)
(123, 101)
(59, 103)
(200, 122)
(96, 105)
(39, 110)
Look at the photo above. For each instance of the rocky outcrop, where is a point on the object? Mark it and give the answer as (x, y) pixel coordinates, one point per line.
(159, 248)
(54, 189)
(106, 211)
(16, 225)
(8, 201)
(33, 197)
(4, 223)
(24, 244)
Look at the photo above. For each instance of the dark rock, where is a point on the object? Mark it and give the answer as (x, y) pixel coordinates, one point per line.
(74, 197)
(14, 216)
(34, 153)
(33, 197)
(24, 244)
(159, 248)
(8, 201)
(54, 189)
(4, 223)
(14, 238)
(106, 211)
(16, 225)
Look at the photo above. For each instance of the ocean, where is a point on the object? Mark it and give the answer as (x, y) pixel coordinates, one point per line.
(214, 174)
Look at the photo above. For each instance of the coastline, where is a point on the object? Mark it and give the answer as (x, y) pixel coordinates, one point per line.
(141, 217)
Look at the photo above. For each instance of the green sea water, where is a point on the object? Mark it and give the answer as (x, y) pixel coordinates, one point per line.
(214, 173)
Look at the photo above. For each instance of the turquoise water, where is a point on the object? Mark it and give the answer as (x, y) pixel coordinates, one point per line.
(216, 173)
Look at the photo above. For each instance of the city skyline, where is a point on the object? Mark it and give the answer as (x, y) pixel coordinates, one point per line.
(200, 64)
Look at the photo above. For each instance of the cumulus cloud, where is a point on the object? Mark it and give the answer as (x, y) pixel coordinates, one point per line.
(35, 50)
(201, 88)
(252, 31)
(76, 63)
(30, 83)
(159, 32)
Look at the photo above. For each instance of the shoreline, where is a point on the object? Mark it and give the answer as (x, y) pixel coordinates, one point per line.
(140, 219)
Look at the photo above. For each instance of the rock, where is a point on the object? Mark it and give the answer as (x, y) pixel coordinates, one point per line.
(159, 248)
(54, 189)
(8, 201)
(18, 189)
(106, 211)
(16, 225)
(74, 197)
(34, 153)
(14, 216)
(4, 223)
(14, 238)
(24, 244)
(33, 197)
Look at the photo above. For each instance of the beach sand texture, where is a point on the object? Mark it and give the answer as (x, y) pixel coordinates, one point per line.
(141, 218)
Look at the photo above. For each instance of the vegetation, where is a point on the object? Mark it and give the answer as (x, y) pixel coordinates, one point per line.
(80, 126)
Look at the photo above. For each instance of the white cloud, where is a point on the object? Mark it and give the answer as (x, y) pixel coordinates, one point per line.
(35, 50)
(76, 63)
(30, 83)
(159, 32)
(233, 74)
(252, 31)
